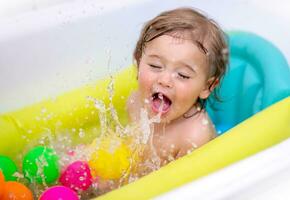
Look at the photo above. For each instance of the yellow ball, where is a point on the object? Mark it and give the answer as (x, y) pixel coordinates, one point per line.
(111, 159)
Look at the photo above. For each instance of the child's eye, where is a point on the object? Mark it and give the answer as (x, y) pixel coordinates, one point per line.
(155, 66)
(183, 76)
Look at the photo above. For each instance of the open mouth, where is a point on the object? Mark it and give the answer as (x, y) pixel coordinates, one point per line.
(160, 103)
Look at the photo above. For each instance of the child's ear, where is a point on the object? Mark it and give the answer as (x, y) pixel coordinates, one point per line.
(211, 84)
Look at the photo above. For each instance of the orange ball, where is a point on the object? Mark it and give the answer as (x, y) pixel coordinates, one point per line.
(16, 191)
(2, 182)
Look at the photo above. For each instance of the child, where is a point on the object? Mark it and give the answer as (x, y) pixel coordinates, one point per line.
(181, 56)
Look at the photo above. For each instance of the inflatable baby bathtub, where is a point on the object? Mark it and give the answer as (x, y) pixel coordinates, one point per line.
(253, 116)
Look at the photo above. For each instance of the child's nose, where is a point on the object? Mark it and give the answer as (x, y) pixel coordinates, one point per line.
(165, 79)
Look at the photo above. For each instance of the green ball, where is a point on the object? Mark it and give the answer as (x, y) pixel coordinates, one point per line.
(8, 167)
(40, 165)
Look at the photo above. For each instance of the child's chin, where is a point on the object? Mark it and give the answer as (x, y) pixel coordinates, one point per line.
(164, 117)
(165, 120)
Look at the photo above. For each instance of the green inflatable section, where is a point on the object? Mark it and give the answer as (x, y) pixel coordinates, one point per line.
(69, 113)
(258, 76)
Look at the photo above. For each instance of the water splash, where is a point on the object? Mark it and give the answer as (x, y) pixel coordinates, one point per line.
(138, 137)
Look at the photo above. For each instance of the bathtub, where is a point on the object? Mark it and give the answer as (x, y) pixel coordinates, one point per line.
(50, 50)
(43, 44)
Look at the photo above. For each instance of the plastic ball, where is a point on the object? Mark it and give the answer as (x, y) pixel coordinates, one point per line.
(41, 165)
(8, 167)
(14, 190)
(59, 192)
(2, 182)
(77, 176)
(111, 160)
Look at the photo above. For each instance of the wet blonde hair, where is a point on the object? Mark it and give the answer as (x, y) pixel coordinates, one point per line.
(203, 31)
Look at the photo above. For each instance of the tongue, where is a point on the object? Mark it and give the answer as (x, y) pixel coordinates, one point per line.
(161, 104)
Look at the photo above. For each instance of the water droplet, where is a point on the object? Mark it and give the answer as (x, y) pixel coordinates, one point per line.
(18, 175)
(204, 121)
(81, 133)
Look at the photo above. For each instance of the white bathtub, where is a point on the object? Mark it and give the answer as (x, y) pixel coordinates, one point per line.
(51, 48)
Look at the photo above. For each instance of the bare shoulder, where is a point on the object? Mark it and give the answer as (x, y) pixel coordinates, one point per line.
(197, 131)
(202, 129)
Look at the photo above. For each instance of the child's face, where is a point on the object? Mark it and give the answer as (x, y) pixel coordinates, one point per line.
(173, 73)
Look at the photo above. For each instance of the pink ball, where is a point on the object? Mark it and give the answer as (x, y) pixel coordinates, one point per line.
(77, 176)
(59, 192)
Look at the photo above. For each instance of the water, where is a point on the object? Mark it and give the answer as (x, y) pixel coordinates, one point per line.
(137, 137)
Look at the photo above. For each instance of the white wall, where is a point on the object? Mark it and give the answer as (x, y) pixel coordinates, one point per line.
(48, 47)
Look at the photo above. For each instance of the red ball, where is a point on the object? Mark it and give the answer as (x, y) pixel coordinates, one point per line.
(77, 176)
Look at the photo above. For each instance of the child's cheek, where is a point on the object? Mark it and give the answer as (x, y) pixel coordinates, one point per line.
(143, 83)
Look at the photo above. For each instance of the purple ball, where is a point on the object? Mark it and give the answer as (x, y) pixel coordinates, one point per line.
(59, 192)
(77, 176)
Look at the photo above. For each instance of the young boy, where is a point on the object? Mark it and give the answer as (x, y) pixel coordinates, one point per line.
(181, 56)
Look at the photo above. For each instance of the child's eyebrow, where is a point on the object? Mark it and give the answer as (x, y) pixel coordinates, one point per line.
(188, 66)
(155, 56)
